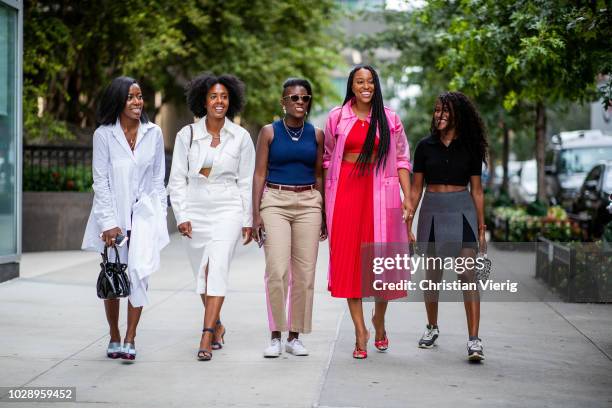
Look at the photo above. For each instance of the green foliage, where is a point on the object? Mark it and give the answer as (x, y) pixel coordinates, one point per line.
(508, 56)
(72, 50)
(553, 223)
(57, 178)
(536, 208)
(583, 275)
(264, 43)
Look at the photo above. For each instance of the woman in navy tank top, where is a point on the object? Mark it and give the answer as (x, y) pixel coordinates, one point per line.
(288, 216)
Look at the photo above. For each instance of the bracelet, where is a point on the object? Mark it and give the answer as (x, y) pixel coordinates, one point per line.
(482, 227)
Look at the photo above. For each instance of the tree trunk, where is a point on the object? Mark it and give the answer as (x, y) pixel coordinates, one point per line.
(505, 155)
(491, 169)
(540, 130)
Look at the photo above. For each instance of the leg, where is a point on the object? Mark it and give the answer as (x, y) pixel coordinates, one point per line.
(212, 311)
(305, 230)
(471, 298)
(432, 332)
(433, 274)
(471, 302)
(378, 319)
(219, 327)
(111, 307)
(361, 332)
(211, 315)
(277, 250)
(133, 319)
(431, 296)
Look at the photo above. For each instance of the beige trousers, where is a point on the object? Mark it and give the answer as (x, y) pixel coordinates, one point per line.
(292, 222)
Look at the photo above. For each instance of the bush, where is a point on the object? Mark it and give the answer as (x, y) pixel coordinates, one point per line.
(536, 208)
(55, 178)
(523, 227)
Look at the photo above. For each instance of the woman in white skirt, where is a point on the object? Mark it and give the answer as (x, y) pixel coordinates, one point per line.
(210, 191)
(128, 174)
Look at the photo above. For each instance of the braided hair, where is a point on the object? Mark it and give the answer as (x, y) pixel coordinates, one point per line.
(466, 120)
(378, 120)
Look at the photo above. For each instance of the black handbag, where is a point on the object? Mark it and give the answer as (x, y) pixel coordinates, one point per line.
(113, 281)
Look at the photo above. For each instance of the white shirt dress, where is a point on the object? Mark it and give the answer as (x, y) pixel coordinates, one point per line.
(120, 178)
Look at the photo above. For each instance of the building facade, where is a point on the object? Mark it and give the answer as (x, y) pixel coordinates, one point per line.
(11, 51)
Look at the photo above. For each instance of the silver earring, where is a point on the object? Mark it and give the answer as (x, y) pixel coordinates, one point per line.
(284, 110)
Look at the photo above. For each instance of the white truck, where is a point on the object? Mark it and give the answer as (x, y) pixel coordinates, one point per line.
(569, 157)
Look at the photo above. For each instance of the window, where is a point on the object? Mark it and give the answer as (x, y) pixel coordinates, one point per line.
(581, 160)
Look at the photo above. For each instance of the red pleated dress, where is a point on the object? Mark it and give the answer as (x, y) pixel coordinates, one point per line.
(353, 221)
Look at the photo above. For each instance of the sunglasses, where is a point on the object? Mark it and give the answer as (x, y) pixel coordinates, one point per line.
(295, 98)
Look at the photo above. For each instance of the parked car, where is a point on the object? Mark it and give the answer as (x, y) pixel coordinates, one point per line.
(523, 186)
(594, 198)
(569, 156)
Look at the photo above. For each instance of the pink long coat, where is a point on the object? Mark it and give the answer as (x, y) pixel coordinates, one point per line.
(388, 223)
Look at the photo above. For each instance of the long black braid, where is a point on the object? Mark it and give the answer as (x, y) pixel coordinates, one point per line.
(378, 119)
(466, 120)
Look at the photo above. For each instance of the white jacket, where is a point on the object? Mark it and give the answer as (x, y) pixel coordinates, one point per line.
(235, 163)
(121, 177)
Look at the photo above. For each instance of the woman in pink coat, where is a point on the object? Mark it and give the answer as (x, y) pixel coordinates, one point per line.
(365, 162)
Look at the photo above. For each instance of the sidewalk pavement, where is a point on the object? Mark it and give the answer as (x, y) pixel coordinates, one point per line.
(54, 333)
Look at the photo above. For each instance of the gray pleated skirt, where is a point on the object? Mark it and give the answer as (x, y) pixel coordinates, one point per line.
(448, 220)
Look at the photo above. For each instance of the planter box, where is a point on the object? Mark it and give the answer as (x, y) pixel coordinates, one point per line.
(56, 221)
(579, 272)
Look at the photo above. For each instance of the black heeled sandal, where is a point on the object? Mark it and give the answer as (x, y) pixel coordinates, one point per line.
(215, 344)
(204, 354)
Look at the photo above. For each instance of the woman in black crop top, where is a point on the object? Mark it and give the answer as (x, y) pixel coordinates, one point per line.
(451, 218)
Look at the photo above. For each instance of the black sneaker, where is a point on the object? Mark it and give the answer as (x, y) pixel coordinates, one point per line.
(429, 337)
(475, 350)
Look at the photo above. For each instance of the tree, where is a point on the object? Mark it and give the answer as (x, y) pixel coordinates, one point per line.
(513, 57)
(533, 51)
(72, 50)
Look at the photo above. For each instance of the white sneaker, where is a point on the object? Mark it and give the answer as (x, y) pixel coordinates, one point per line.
(296, 348)
(475, 350)
(275, 349)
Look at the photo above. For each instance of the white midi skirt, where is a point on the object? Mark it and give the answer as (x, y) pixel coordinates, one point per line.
(215, 212)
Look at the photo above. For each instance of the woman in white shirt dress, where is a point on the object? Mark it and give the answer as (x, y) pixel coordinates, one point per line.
(128, 170)
(210, 192)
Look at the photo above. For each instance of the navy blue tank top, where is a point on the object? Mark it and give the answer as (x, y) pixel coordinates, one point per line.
(292, 163)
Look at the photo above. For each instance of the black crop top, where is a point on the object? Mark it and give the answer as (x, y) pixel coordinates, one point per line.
(446, 165)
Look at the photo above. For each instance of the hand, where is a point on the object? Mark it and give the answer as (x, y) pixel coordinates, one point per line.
(185, 229)
(109, 236)
(407, 210)
(482, 241)
(247, 235)
(257, 225)
(323, 233)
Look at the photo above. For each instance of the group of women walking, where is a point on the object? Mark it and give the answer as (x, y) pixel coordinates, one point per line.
(350, 182)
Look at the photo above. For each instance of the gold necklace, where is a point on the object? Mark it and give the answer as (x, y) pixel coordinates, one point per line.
(132, 141)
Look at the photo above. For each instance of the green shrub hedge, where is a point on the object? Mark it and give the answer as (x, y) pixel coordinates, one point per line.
(55, 178)
(514, 224)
